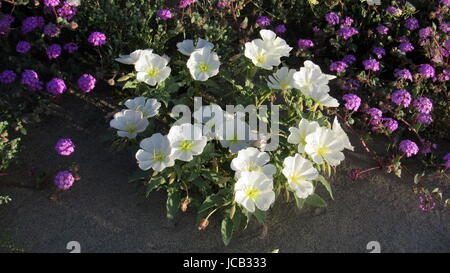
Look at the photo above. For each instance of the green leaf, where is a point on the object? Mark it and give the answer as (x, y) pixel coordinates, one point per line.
(327, 185)
(316, 200)
(154, 183)
(227, 230)
(173, 202)
(210, 201)
(300, 202)
(260, 216)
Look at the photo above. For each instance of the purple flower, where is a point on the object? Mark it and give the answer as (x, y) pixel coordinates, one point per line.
(64, 180)
(185, 3)
(23, 47)
(5, 23)
(86, 83)
(97, 38)
(401, 97)
(56, 86)
(65, 147)
(412, 23)
(263, 21)
(404, 74)
(447, 44)
(347, 21)
(375, 113)
(67, 11)
(32, 23)
(347, 32)
(53, 51)
(393, 10)
(332, 18)
(164, 14)
(406, 47)
(425, 32)
(383, 30)
(349, 59)
(31, 79)
(408, 147)
(447, 160)
(71, 47)
(423, 105)
(403, 39)
(338, 66)
(280, 29)
(426, 70)
(371, 64)
(445, 2)
(445, 75)
(51, 30)
(426, 119)
(379, 51)
(390, 124)
(222, 3)
(351, 84)
(315, 29)
(427, 146)
(7, 76)
(51, 3)
(445, 26)
(352, 102)
(305, 44)
(426, 203)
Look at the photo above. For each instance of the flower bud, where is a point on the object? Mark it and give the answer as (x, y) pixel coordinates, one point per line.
(203, 224)
(184, 204)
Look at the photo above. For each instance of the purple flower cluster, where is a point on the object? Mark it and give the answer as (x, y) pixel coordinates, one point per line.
(263, 21)
(67, 11)
(332, 18)
(23, 47)
(186, 3)
(7, 76)
(408, 147)
(164, 14)
(338, 66)
(64, 180)
(305, 44)
(351, 84)
(426, 119)
(390, 124)
(371, 64)
(403, 74)
(375, 114)
(426, 70)
(352, 102)
(97, 38)
(447, 160)
(31, 79)
(53, 51)
(51, 3)
(426, 203)
(379, 52)
(71, 47)
(412, 24)
(393, 10)
(5, 24)
(347, 32)
(86, 83)
(383, 30)
(406, 47)
(425, 32)
(32, 23)
(56, 86)
(51, 30)
(444, 26)
(423, 105)
(65, 147)
(280, 29)
(401, 98)
(349, 59)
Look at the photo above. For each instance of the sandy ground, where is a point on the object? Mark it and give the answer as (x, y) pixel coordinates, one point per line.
(105, 213)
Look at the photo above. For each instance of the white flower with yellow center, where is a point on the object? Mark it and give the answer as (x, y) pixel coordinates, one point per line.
(187, 46)
(148, 107)
(320, 95)
(340, 133)
(203, 64)
(252, 160)
(299, 173)
(152, 69)
(324, 146)
(274, 44)
(283, 79)
(254, 189)
(209, 116)
(129, 123)
(298, 135)
(260, 56)
(155, 153)
(186, 141)
(235, 134)
(310, 76)
(134, 56)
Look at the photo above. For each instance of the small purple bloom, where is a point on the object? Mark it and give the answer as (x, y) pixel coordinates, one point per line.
(71, 47)
(64, 180)
(426, 70)
(379, 51)
(404, 74)
(371, 64)
(447, 160)
(447, 44)
(375, 113)
(56, 86)
(351, 84)
(423, 105)
(408, 147)
(401, 97)
(352, 102)
(412, 23)
(305, 44)
(315, 29)
(390, 124)
(338, 66)
(280, 29)
(445, 26)
(347, 21)
(263, 21)
(51, 30)
(383, 30)
(32, 23)
(445, 2)
(425, 32)
(393, 10)
(97, 38)
(426, 119)
(332, 18)
(164, 14)
(67, 11)
(186, 3)
(403, 39)
(349, 59)
(65, 147)
(426, 203)
(406, 47)
(31, 79)
(51, 3)
(7, 76)
(53, 51)
(23, 47)
(222, 3)
(347, 32)
(86, 83)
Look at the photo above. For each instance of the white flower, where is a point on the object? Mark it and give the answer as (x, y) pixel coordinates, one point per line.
(148, 107)
(373, 2)
(203, 64)
(187, 46)
(274, 44)
(320, 95)
(260, 56)
(324, 145)
(134, 56)
(299, 173)
(152, 69)
(310, 76)
(129, 123)
(186, 141)
(282, 79)
(340, 133)
(74, 2)
(252, 160)
(155, 153)
(254, 188)
(235, 134)
(209, 115)
(298, 135)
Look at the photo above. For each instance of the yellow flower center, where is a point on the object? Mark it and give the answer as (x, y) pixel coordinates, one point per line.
(131, 128)
(203, 67)
(295, 178)
(186, 145)
(153, 72)
(252, 193)
(322, 151)
(253, 168)
(158, 156)
(260, 59)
